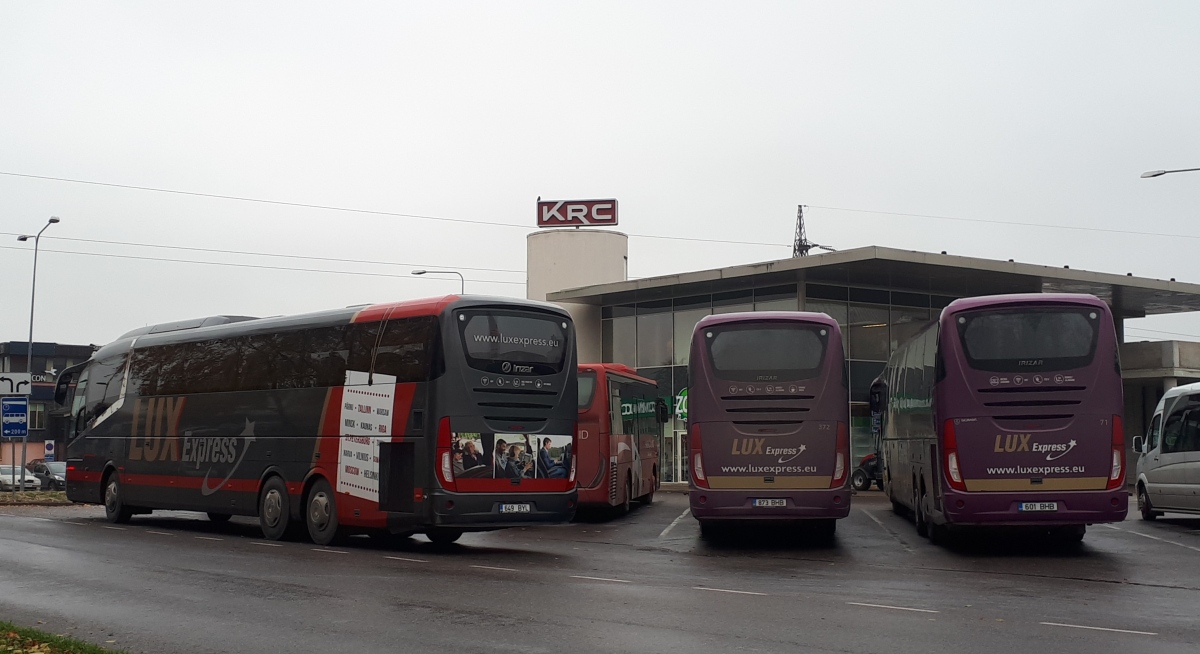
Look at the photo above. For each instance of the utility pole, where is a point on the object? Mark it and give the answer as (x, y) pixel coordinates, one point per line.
(802, 244)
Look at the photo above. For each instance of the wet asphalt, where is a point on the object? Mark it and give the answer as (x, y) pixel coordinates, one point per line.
(645, 582)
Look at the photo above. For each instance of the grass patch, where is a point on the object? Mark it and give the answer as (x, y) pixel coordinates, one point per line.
(21, 640)
(41, 497)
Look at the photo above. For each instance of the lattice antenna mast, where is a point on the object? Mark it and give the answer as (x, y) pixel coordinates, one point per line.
(802, 245)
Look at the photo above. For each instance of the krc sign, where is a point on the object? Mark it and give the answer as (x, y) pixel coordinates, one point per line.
(576, 213)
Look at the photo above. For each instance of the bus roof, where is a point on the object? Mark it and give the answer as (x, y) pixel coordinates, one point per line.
(766, 316)
(969, 303)
(615, 368)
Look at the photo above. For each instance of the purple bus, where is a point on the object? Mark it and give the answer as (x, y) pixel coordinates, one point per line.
(767, 420)
(1007, 411)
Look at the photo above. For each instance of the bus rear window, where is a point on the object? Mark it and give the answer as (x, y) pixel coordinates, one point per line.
(587, 389)
(1035, 340)
(511, 343)
(767, 352)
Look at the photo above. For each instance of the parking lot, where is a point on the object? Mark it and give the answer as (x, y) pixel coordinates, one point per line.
(175, 582)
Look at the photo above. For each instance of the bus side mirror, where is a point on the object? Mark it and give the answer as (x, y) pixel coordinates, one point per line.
(1137, 444)
(662, 413)
(62, 387)
(878, 399)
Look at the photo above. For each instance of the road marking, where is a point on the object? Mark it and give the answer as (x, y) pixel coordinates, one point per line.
(160, 533)
(1161, 540)
(11, 515)
(262, 544)
(673, 523)
(619, 581)
(889, 531)
(81, 524)
(488, 567)
(321, 549)
(43, 519)
(1112, 527)
(209, 538)
(112, 527)
(894, 608)
(726, 590)
(401, 558)
(1119, 631)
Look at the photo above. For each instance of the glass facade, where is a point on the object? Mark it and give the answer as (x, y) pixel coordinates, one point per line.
(655, 338)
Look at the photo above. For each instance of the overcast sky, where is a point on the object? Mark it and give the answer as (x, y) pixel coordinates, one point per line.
(710, 120)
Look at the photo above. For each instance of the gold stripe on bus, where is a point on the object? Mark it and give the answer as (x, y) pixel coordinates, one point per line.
(789, 483)
(1063, 484)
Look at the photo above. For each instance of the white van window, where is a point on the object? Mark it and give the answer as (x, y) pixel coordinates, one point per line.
(1153, 432)
(1173, 433)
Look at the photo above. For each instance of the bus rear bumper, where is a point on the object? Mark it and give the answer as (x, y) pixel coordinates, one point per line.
(481, 511)
(740, 504)
(999, 509)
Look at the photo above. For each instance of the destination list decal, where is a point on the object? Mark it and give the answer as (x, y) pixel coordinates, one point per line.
(366, 421)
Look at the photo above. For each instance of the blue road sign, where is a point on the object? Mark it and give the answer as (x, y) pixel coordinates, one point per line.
(14, 414)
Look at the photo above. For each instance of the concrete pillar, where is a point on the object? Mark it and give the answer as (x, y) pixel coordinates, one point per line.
(559, 259)
(1169, 383)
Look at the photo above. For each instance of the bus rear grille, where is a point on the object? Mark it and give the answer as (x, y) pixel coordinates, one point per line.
(1034, 403)
(768, 422)
(516, 405)
(769, 409)
(763, 398)
(1047, 416)
(612, 482)
(514, 391)
(1032, 389)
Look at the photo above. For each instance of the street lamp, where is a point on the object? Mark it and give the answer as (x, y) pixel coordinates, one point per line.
(462, 280)
(29, 359)
(1157, 173)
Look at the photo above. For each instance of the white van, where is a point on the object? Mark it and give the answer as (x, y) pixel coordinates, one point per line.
(1168, 470)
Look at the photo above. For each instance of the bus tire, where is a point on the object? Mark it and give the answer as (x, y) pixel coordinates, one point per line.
(648, 498)
(919, 517)
(115, 509)
(627, 504)
(320, 513)
(274, 512)
(442, 537)
(860, 480)
(1144, 506)
(219, 518)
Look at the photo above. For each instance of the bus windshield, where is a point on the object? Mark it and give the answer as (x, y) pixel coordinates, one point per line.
(512, 343)
(1034, 340)
(783, 352)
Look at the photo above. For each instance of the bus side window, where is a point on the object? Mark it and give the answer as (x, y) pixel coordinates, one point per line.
(1153, 433)
(104, 385)
(407, 350)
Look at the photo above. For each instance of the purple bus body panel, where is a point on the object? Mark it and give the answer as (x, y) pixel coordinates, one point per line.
(782, 430)
(1029, 437)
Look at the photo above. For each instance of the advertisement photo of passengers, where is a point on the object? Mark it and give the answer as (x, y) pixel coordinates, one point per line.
(511, 456)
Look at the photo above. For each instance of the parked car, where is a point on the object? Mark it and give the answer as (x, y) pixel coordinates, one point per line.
(10, 478)
(52, 474)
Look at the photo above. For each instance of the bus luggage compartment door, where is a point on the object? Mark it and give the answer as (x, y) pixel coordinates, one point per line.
(397, 477)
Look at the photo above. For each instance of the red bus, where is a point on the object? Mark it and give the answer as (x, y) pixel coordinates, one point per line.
(433, 416)
(621, 419)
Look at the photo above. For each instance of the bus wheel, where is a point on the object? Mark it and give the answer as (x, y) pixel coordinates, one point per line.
(648, 498)
(919, 517)
(1144, 506)
(443, 536)
(320, 514)
(274, 514)
(628, 503)
(859, 480)
(114, 503)
(219, 518)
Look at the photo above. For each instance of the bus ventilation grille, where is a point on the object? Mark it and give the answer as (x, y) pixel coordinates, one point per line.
(612, 482)
(1032, 389)
(1034, 403)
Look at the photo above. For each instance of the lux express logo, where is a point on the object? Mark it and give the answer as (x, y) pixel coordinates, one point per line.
(751, 446)
(523, 341)
(1021, 443)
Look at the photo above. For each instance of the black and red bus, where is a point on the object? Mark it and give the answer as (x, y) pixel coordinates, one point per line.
(433, 416)
(621, 419)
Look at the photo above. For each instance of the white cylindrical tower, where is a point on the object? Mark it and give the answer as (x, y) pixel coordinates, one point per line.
(559, 259)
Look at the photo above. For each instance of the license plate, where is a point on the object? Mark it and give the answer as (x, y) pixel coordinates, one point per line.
(1038, 506)
(771, 503)
(516, 508)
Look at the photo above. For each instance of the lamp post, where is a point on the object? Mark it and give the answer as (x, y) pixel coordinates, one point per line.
(29, 359)
(462, 280)
(1157, 173)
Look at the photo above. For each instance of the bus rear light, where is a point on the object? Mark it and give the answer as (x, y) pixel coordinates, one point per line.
(1116, 476)
(445, 456)
(571, 477)
(697, 457)
(840, 469)
(950, 460)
